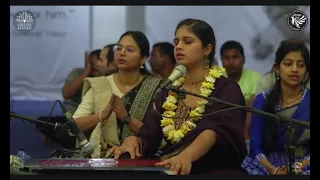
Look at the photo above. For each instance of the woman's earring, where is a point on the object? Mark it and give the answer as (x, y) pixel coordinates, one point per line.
(206, 62)
(278, 77)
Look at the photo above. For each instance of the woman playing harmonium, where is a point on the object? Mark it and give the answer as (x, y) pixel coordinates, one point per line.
(290, 98)
(113, 107)
(195, 144)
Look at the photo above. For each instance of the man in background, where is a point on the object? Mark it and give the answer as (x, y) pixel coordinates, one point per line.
(162, 60)
(72, 90)
(233, 59)
(97, 63)
(107, 63)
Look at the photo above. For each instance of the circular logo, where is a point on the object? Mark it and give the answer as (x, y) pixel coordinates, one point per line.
(297, 20)
(24, 21)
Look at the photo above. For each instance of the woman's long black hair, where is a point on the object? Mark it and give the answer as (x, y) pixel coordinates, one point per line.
(273, 98)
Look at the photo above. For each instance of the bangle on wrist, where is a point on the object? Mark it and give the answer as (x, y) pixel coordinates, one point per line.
(298, 165)
(260, 156)
(275, 170)
(140, 146)
(100, 117)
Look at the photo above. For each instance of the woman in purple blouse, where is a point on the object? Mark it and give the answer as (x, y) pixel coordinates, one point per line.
(197, 143)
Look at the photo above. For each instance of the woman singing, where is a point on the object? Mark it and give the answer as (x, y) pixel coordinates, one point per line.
(288, 97)
(195, 143)
(102, 96)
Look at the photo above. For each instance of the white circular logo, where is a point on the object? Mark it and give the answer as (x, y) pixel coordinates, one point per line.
(24, 21)
(297, 20)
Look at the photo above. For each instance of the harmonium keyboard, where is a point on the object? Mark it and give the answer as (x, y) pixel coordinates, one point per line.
(105, 166)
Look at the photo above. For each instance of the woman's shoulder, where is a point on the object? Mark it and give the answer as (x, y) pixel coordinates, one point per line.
(264, 93)
(95, 79)
(109, 78)
(222, 82)
(98, 82)
(224, 85)
(306, 93)
(307, 90)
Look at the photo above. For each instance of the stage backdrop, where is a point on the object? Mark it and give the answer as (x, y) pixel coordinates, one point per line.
(41, 60)
(258, 28)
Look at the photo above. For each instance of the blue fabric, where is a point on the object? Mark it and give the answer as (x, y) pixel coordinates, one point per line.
(250, 163)
(277, 159)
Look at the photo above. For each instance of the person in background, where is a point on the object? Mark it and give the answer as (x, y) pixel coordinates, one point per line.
(195, 144)
(290, 98)
(162, 59)
(72, 88)
(269, 79)
(107, 64)
(233, 59)
(114, 107)
(98, 63)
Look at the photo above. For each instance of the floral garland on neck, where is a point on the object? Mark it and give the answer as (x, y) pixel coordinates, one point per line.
(175, 135)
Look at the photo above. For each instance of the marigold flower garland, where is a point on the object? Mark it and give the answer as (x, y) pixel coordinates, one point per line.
(168, 124)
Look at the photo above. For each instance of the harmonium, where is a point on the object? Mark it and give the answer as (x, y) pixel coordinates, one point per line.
(96, 166)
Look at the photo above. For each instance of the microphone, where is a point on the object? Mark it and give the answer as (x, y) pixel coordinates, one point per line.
(86, 147)
(177, 73)
(246, 108)
(33, 120)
